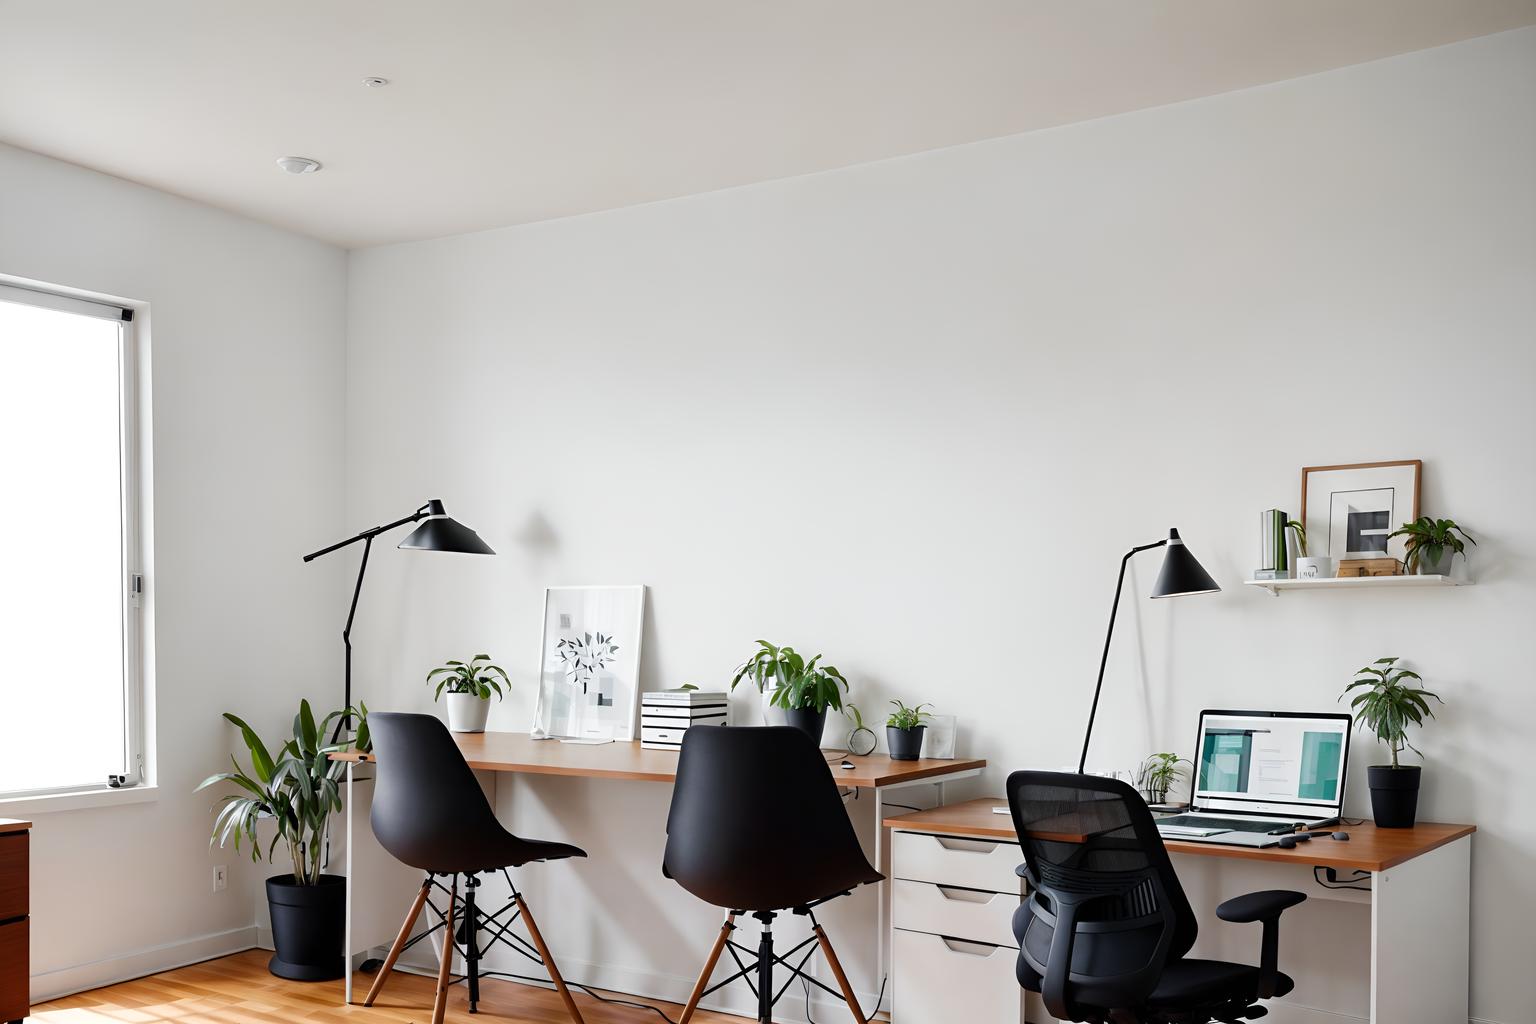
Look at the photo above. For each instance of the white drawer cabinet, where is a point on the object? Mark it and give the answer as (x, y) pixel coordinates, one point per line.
(959, 913)
(986, 864)
(953, 951)
(942, 980)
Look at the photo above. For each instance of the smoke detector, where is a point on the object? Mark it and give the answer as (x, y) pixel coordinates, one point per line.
(375, 82)
(298, 164)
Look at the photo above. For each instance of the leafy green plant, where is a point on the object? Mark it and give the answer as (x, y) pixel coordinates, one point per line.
(801, 683)
(1431, 537)
(1301, 541)
(477, 676)
(1159, 772)
(297, 789)
(1388, 705)
(907, 718)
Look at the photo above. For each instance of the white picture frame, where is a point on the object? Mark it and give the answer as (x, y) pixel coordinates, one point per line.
(1349, 511)
(589, 663)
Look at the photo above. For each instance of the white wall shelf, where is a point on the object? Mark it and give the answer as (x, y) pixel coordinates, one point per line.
(1358, 583)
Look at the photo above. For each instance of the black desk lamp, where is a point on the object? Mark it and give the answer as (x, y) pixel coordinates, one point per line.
(1180, 575)
(438, 533)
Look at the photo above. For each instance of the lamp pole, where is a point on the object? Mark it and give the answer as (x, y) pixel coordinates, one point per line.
(1181, 574)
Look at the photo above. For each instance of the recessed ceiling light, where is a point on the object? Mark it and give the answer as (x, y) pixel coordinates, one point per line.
(298, 164)
(375, 83)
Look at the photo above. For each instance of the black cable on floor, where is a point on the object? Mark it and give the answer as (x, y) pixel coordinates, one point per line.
(589, 990)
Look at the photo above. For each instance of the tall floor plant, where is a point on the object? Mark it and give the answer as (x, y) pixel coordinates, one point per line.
(297, 789)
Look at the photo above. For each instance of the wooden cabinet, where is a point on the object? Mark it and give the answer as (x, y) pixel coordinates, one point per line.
(14, 947)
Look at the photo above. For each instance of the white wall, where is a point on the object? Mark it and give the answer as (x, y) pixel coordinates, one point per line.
(911, 413)
(245, 331)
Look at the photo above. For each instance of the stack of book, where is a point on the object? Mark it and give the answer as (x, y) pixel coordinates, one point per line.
(666, 714)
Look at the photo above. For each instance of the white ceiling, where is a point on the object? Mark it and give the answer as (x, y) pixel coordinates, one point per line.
(508, 111)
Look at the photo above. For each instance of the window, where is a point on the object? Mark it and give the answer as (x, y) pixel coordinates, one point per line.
(70, 636)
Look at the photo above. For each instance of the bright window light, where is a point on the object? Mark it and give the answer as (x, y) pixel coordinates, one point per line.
(69, 690)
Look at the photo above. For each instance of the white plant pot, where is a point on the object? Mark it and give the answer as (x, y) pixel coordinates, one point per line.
(771, 714)
(1317, 568)
(467, 712)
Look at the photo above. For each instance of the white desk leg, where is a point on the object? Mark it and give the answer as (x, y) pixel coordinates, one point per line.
(883, 894)
(347, 929)
(1420, 938)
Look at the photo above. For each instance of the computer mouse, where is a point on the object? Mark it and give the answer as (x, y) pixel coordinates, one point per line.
(1342, 837)
(1288, 842)
(846, 764)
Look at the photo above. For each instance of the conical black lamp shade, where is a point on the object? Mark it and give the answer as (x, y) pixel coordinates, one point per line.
(1180, 573)
(440, 533)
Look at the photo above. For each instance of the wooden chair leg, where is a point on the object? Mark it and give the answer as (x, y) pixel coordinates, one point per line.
(445, 971)
(400, 941)
(709, 969)
(549, 961)
(837, 972)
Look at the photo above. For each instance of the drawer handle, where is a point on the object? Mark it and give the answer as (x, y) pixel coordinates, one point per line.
(965, 845)
(978, 949)
(965, 895)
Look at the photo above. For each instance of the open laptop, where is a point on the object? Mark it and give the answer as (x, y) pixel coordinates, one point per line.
(1259, 774)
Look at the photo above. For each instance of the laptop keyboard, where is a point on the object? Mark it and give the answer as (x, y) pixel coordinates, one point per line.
(1210, 821)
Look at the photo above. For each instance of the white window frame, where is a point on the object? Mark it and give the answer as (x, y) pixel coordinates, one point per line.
(133, 783)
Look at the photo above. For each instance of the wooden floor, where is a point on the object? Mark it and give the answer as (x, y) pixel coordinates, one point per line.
(239, 990)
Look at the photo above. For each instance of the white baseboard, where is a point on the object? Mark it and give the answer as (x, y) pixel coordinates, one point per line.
(66, 981)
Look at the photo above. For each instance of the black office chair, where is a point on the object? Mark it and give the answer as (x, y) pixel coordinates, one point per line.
(757, 827)
(1105, 927)
(429, 812)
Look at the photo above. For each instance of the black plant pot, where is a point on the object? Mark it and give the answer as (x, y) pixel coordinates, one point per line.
(904, 744)
(308, 927)
(1394, 794)
(809, 721)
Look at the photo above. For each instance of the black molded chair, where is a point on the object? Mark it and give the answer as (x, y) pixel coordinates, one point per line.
(429, 812)
(1105, 928)
(757, 827)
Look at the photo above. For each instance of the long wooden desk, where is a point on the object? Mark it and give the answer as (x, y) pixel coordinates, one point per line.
(522, 754)
(1418, 889)
(518, 753)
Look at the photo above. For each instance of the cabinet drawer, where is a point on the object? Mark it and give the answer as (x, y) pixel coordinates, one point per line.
(13, 877)
(944, 981)
(14, 969)
(957, 913)
(952, 860)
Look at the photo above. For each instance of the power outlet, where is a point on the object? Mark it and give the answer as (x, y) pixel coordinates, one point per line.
(220, 877)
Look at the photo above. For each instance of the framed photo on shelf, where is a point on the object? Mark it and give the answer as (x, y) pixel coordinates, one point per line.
(1349, 510)
(589, 663)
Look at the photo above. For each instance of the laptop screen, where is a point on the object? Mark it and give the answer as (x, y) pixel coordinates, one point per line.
(1271, 762)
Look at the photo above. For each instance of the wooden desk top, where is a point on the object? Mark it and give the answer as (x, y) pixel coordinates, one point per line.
(1369, 848)
(13, 825)
(519, 752)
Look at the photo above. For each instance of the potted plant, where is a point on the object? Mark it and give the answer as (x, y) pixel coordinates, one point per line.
(904, 731)
(297, 789)
(1433, 545)
(803, 689)
(1389, 705)
(469, 685)
(1310, 567)
(1158, 773)
(861, 738)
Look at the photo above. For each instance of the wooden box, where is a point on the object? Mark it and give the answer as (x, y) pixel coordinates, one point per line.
(1370, 567)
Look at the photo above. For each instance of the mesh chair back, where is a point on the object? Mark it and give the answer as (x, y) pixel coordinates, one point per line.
(1105, 911)
(756, 821)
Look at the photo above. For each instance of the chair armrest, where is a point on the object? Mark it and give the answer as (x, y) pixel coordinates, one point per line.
(1266, 906)
(1259, 906)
